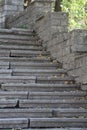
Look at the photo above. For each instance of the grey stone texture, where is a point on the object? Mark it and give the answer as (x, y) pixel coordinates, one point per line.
(69, 48)
(28, 17)
(36, 94)
(9, 7)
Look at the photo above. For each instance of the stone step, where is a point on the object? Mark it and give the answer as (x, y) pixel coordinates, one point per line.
(9, 34)
(70, 112)
(31, 42)
(39, 71)
(17, 79)
(42, 113)
(8, 103)
(4, 65)
(65, 103)
(14, 123)
(5, 72)
(21, 47)
(4, 53)
(13, 95)
(13, 103)
(42, 122)
(57, 95)
(27, 65)
(25, 59)
(56, 129)
(17, 31)
(55, 80)
(39, 87)
(25, 113)
(17, 37)
(57, 122)
(23, 53)
(42, 95)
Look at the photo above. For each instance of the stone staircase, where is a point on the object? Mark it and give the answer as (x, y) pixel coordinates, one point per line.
(35, 92)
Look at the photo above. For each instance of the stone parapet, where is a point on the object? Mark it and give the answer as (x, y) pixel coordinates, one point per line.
(27, 18)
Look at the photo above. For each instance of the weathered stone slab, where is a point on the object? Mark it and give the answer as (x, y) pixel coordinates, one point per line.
(16, 37)
(8, 103)
(17, 79)
(5, 72)
(55, 80)
(13, 95)
(13, 123)
(57, 95)
(22, 47)
(57, 129)
(84, 87)
(4, 53)
(27, 65)
(4, 65)
(57, 122)
(25, 113)
(53, 103)
(69, 112)
(19, 42)
(38, 71)
(23, 53)
(25, 59)
(39, 87)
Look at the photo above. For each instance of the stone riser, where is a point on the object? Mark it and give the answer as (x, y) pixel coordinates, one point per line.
(53, 103)
(17, 79)
(42, 103)
(24, 59)
(55, 80)
(39, 87)
(42, 95)
(22, 47)
(20, 43)
(42, 123)
(57, 129)
(4, 70)
(42, 113)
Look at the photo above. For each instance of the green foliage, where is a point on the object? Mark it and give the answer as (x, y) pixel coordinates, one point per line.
(77, 10)
(77, 13)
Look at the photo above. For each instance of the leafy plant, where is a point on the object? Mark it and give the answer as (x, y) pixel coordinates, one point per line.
(77, 10)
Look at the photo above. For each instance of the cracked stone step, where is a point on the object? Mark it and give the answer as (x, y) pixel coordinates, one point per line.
(4, 53)
(22, 47)
(23, 53)
(58, 95)
(17, 79)
(40, 72)
(65, 103)
(5, 72)
(13, 95)
(43, 113)
(55, 80)
(40, 87)
(25, 65)
(25, 59)
(13, 123)
(8, 103)
(57, 122)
